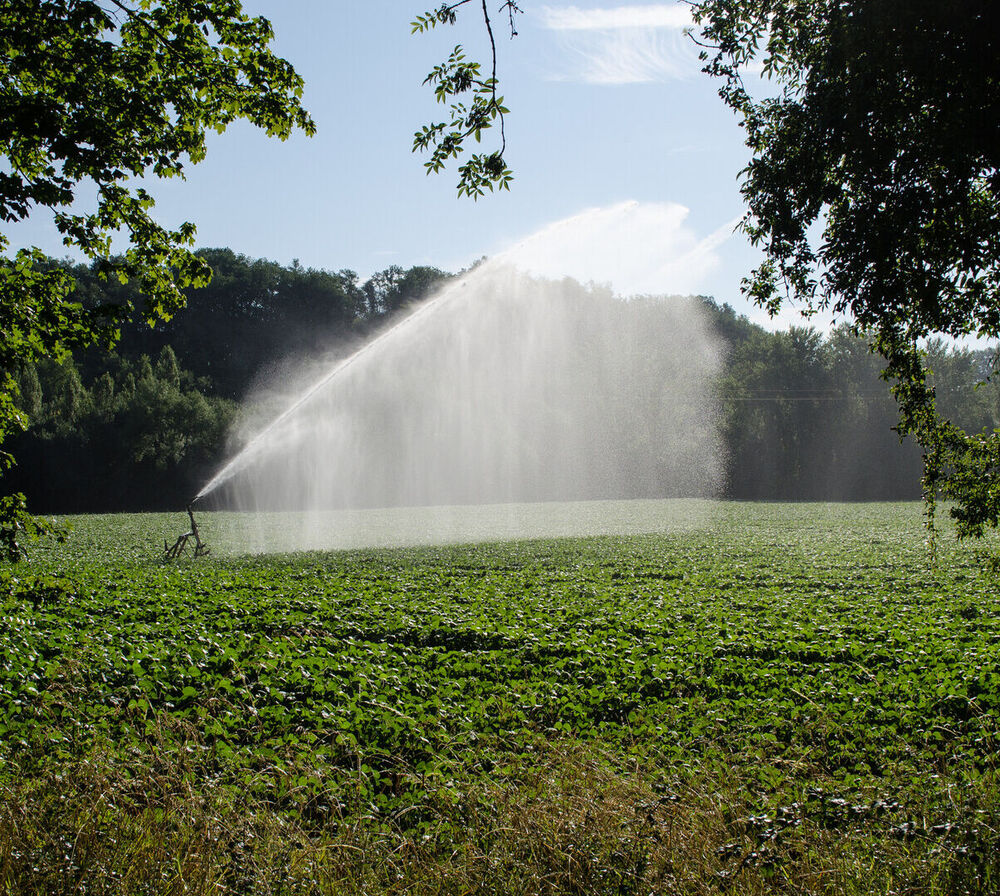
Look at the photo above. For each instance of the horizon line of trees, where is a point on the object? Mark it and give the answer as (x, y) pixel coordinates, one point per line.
(803, 416)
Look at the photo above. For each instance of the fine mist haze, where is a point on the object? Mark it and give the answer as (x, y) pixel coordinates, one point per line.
(502, 388)
(505, 388)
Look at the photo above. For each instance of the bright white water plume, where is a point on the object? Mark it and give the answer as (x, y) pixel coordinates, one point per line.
(504, 387)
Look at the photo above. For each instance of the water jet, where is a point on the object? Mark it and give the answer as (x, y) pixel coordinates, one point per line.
(505, 389)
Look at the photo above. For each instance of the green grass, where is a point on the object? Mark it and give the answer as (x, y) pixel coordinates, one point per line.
(753, 698)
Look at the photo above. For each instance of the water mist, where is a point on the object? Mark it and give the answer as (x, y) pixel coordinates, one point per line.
(503, 390)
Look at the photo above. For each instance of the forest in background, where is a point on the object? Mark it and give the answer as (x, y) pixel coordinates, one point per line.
(804, 416)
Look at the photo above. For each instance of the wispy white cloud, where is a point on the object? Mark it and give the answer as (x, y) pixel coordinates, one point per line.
(627, 56)
(572, 18)
(636, 247)
(622, 44)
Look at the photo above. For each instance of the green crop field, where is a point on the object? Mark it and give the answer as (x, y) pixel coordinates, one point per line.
(750, 699)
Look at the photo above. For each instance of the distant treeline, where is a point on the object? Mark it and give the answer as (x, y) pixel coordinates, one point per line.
(804, 417)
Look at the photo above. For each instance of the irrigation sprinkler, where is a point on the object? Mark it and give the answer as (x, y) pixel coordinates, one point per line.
(170, 552)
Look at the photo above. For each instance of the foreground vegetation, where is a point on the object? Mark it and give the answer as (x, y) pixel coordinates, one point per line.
(782, 698)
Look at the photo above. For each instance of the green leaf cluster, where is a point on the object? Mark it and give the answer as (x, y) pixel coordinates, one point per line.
(455, 77)
(22, 528)
(104, 96)
(97, 97)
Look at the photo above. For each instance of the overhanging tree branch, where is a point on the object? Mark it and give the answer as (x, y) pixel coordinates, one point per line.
(457, 76)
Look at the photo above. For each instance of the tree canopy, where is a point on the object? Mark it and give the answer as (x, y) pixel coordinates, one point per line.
(98, 95)
(800, 416)
(874, 188)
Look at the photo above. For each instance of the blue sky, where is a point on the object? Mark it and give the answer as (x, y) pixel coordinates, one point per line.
(609, 111)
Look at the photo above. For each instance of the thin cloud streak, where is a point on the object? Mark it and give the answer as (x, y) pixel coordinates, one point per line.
(623, 44)
(572, 18)
(628, 56)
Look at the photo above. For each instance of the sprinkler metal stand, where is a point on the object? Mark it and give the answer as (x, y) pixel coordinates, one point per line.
(200, 549)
